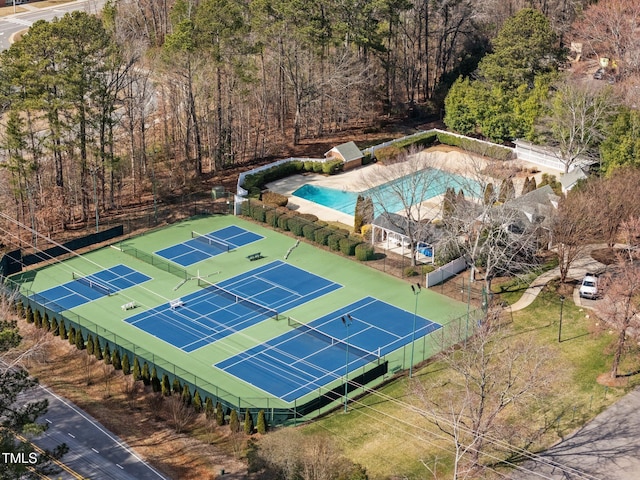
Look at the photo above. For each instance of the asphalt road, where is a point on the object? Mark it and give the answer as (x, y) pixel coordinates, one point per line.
(12, 24)
(94, 452)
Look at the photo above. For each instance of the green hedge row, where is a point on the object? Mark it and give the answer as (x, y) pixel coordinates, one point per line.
(308, 226)
(475, 146)
(255, 182)
(393, 151)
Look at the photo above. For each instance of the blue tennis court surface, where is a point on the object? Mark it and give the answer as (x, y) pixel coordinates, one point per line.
(204, 246)
(90, 287)
(227, 307)
(303, 360)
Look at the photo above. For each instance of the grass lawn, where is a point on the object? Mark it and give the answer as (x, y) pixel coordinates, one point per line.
(391, 439)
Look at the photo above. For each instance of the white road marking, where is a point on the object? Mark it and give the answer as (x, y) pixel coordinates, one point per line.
(19, 21)
(48, 421)
(71, 435)
(95, 450)
(119, 466)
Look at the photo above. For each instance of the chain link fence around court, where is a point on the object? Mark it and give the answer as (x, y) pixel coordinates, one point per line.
(326, 398)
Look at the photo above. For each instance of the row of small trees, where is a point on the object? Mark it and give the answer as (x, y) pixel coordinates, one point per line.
(148, 375)
(308, 226)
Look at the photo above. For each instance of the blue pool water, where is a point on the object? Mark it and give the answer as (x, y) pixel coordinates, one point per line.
(420, 186)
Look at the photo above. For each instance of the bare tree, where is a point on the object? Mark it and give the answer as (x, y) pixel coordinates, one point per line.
(578, 118)
(489, 377)
(180, 414)
(620, 308)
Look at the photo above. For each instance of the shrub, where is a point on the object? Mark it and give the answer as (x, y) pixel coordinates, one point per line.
(348, 246)
(259, 179)
(197, 402)
(309, 231)
(388, 154)
(271, 218)
(283, 222)
(428, 269)
(248, 422)
(308, 166)
(317, 167)
(262, 423)
(367, 159)
(295, 226)
(29, 314)
(258, 213)
(137, 373)
(334, 241)
(332, 167)
(37, 319)
(365, 231)
(410, 272)
(234, 422)
(321, 236)
(126, 365)
(364, 252)
(245, 208)
(275, 199)
(475, 146)
(309, 217)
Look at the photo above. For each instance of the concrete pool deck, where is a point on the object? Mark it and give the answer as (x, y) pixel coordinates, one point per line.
(441, 157)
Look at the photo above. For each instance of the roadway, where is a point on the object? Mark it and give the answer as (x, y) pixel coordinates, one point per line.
(12, 24)
(94, 452)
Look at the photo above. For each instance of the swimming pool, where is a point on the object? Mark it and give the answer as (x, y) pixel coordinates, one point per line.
(390, 193)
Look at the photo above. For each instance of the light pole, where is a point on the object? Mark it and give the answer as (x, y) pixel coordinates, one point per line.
(560, 326)
(347, 322)
(416, 289)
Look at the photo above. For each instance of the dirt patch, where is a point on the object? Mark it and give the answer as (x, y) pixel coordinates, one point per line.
(618, 382)
(607, 256)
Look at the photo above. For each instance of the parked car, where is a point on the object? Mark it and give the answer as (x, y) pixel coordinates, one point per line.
(589, 286)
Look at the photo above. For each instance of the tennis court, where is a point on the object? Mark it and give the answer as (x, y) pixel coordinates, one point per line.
(86, 288)
(203, 246)
(205, 316)
(314, 354)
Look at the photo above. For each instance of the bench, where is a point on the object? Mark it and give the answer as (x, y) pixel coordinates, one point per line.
(173, 304)
(129, 306)
(254, 256)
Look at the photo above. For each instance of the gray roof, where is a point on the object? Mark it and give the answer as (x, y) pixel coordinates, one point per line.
(425, 232)
(348, 151)
(568, 180)
(536, 206)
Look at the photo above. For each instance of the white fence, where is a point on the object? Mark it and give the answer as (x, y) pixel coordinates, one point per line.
(444, 272)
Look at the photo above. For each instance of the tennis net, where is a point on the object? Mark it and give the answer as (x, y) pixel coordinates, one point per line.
(97, 286)
(211, 241)
(250, 304)
(360, 352)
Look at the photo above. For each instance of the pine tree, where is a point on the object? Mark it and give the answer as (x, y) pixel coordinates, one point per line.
(165, 386)
(507, 190)
(79, 340)
(20, 309)
(137, 374)
(219, 414)
(532, 184)
(116, 360)
(449, 202)
(146, 376)
(71, 335)
(155, 381)
(368, 211)
(248, 422)
(37, 319)
(63, 330)
(97, 349)
(186, 395)
(262, 423)
(209, 411)
(106, 354)
(197, 402)
(176, 387)
(55, 328)
(29, 315)
(357, 217)
(488, 194)
(46, 324)
(234, 422)
(90, 344)
(126, 366)
(460, 197)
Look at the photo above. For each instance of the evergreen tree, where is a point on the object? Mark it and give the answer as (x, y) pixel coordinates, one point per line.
(219, 414)
(29, 315)
(449, 202)
(106, 354)
(155, 381)
(97, 349)
(79, 340)
(116, 361)
(90, 344)
(248, 422)
(262, 423)
(126, 366)
(20, 309)
(176, 387)
(197, 402)
(209, 410)
(63, 330)
(71, 335)
(368, 211)
(357, 217)
(186, 395)
(55, 328)
(532, 184)
(489, 193)
(165, 387)
(507, 190)
(460, 197)
(137, 374)
(146, 376)
(234, 422)
(46, 324)
(37, 319)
